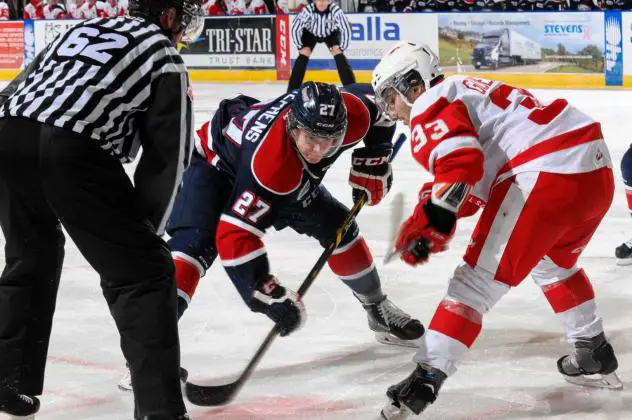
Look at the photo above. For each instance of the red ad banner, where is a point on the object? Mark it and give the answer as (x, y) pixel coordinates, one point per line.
(11, 45)
(283, 64)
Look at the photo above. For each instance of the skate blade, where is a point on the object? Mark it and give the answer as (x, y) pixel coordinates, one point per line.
(609, 381)
(390, 339)
(29, 417)
(393, 412)
(624, 261)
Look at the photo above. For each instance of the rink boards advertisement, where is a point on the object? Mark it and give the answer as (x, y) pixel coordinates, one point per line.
(544, 49)
(245, 42)
(11, 45)
(372, 35)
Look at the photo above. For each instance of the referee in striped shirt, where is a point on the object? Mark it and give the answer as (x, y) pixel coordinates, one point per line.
(89, 101)
(321, 21)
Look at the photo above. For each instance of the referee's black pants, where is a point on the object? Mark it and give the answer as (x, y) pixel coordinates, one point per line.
(49, 175)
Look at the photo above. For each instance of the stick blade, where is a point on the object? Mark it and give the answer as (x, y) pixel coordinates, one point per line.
(211, 395)
(395, 220)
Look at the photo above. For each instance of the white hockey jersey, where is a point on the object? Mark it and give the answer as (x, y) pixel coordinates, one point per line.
(113, 9)
(460, 118)
(239, 7)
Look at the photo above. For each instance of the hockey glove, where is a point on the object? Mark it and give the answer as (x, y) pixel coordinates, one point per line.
(470, 206)
(426, 232)
(371, 173)
(283, 306)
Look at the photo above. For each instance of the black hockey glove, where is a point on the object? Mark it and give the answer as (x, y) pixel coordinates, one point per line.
(371, 173)
(283, 306)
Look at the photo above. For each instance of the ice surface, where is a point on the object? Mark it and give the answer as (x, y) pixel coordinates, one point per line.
(333, 368)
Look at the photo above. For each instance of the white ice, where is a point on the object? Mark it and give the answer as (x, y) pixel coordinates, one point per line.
(333, 368)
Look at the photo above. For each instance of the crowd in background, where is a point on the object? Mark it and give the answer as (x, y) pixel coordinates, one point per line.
(86, 9)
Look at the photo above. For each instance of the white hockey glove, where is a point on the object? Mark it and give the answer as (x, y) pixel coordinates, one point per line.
(283, 306)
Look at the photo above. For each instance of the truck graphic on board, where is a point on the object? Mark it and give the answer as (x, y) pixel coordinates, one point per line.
(505, 47)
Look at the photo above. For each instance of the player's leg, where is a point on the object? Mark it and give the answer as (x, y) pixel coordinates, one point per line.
(517, 228)
(344, 68)
(192, 226)
(300, 65)
(624, 251)
(353, 263)
(97, 204)
(568, 288)
(34, 252)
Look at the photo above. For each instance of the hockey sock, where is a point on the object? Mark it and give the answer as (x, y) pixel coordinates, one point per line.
(573, 301)
(344, 70)
(457, 321)
(298, 72)
(353, 264)
(188, 273)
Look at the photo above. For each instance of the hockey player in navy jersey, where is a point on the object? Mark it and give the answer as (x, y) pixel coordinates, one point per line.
(624, 251)
(260, 165)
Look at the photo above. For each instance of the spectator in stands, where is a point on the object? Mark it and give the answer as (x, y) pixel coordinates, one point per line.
(33, 10)
(90, 10)
(113, 8)
(4, 10)
(214, 8)
(55, 9)
(246, 7)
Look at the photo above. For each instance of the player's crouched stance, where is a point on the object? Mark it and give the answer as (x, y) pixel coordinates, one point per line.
(485, 141)
(259, 165)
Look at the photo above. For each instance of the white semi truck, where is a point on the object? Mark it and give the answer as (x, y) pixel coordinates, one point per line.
(505, 47)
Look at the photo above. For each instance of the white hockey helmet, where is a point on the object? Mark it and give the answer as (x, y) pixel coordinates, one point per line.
(405, 65)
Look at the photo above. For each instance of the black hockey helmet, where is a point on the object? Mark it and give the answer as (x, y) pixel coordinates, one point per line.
(319, 109)
(190, 11)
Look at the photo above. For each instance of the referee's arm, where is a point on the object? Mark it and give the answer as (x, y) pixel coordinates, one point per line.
(342, 24)
(167, 139)
(298, 25)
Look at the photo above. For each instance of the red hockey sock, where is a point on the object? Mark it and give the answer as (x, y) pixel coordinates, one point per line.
(569, 293)
(458, 321)
(187, 275)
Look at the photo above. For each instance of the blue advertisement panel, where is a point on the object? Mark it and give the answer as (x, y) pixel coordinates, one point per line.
(614, 48)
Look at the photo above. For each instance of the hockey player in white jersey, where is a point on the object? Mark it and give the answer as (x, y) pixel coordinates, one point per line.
(529, 165)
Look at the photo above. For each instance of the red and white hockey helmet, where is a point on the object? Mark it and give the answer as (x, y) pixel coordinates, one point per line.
(405, 65)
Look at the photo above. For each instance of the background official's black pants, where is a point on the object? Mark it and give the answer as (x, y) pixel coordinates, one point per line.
(48, 175)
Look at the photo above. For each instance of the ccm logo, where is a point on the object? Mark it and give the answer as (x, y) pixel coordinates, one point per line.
(370, 161)
(283, 42)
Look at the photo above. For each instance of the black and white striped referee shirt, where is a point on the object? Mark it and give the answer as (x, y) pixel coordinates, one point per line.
(321, 25)
(121, 83)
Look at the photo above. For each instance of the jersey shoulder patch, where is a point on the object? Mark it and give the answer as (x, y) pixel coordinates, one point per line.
(358, 117)
(275, 164)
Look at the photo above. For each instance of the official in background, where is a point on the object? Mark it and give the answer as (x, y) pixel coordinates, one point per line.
(85, 106)
(321, 21)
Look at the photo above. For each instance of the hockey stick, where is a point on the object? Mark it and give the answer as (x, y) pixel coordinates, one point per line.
(212, 395)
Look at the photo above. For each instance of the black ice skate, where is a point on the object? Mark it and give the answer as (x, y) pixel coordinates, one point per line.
(18, 406)
(392, 325)
(624, 253)
(412, 395)
(593, 364)
(125, 384)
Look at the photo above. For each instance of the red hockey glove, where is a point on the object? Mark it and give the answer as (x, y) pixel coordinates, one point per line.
(426, 232)
(370, 173)
(281, 305)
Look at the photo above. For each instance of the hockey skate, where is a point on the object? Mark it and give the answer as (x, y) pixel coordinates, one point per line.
(412, 395)
(592, 364)
(125, 384)
(392, 325)
(624, 253)
(165, 417)
(18, 406)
